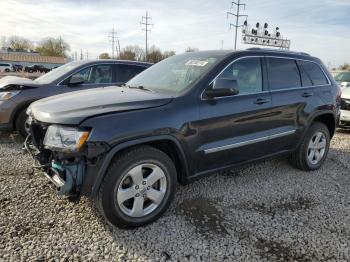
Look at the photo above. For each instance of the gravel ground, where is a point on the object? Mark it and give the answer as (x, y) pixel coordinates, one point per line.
(264, 212)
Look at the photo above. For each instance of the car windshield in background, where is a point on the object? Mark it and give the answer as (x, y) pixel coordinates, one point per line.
(174, 74)
(343, 76)
(58, 72)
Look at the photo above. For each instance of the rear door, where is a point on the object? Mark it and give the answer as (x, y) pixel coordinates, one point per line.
(289, 100)
(235, 129)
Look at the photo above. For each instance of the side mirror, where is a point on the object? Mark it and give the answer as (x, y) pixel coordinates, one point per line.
(222, 87)
(74, 81)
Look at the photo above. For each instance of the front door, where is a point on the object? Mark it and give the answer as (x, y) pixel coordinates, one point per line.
(235, 129)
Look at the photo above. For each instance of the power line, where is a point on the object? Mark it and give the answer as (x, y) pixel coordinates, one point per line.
(113, 38)
(237, 15)
(145, 24)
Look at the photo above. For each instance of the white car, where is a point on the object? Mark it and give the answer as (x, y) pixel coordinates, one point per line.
(4, 67)
(343, 79)
(345, 109)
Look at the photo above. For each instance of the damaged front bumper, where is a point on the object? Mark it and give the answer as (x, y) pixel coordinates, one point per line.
(72, 174)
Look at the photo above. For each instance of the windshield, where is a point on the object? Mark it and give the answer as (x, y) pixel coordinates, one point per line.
(174, 74)
(58, 72)
(343, 76)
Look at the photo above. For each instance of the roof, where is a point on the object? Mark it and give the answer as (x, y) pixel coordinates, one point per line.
(31, 58)
(254, 51)
(119, 61)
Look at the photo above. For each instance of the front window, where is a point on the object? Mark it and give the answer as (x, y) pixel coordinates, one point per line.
(58, 72)
(99, 74)
(247, 73)
(175, 74)
(343, 77)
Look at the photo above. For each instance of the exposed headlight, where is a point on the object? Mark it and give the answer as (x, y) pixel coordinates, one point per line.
(65, 139)
(8, 94)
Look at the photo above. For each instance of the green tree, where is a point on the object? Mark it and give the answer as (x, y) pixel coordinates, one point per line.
(104, 56)
(53, 47)
(19, 43)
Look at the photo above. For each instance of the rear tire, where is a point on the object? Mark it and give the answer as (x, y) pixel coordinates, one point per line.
(22, 123)
(138, 187)
(314, 148)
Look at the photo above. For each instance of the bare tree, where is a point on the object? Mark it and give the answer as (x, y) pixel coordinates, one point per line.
(167, 54)
(53, 47)
(104, 56)
(191, 49)
(132, 52)
(19, 43)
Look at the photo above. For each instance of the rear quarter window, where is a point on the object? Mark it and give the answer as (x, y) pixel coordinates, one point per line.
(312, 74)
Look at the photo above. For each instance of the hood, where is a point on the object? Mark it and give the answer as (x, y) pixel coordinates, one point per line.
(73, 108)
(346, 93)
(16, 83)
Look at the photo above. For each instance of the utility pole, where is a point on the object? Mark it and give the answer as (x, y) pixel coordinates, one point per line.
(145, 24)
(87, 54)
(113, 38)
(237, 15)
(81, 54)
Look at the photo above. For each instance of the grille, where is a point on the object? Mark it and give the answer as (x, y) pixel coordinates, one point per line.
(345, 104)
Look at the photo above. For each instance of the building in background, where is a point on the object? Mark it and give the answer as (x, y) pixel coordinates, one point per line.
(25, 58)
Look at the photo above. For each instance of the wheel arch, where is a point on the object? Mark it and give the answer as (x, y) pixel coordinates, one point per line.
(166, 143)
(328, 119)
(17, 111)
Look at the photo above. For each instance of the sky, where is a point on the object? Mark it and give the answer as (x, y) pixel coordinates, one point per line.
(318, 27)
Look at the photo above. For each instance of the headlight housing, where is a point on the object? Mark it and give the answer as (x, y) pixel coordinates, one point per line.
(7, 95)
(65, 139)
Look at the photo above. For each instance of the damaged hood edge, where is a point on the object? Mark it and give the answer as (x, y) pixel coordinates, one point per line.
(16, 83)
(75, 107)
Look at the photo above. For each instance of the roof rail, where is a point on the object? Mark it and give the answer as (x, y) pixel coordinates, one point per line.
(274, 50)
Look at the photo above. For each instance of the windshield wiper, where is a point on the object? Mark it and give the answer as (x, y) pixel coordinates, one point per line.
(140, 87)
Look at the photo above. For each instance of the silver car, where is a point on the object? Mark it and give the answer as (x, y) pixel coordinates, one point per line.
(343, 79)
(345, 109)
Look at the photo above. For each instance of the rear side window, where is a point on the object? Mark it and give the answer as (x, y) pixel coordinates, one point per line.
(312, 74)
(283, 73)
(126, 72)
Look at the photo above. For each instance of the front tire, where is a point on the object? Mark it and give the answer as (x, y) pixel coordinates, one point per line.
(314, 148)
(22, 125)
(138, 188)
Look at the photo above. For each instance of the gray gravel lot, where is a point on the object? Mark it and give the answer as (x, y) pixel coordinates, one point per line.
(264, 212)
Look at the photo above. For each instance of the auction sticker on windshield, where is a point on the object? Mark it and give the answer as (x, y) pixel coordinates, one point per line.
(196, 63)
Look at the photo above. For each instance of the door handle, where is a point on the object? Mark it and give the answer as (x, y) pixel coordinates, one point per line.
(261, 101)
(307, 94)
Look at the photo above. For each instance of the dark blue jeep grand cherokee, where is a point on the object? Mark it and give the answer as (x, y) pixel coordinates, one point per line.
(188, 116)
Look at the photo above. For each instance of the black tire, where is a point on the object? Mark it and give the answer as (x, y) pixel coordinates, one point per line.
(21, 122)
(107, 200)
(7, 70)
(300, 157)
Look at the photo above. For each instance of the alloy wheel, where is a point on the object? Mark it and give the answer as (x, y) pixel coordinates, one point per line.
(317, 148)
(141, 190)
